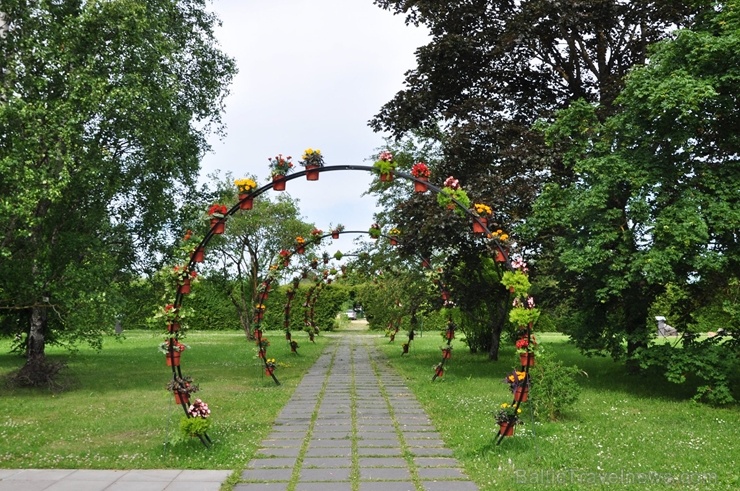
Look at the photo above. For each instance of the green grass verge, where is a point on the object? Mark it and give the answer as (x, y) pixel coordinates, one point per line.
(627, 432)
(118, 415)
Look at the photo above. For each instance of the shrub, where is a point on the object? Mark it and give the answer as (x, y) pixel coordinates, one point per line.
(554, 387)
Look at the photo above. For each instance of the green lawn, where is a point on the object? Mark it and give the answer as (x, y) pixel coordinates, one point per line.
(118, 415)
(627, 432)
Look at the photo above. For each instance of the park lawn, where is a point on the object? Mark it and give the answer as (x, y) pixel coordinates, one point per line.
(117, 413)
(627, 432)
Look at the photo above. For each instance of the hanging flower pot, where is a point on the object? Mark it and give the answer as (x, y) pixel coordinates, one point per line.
(479, 224)
(278, 183)
(421, 187)
(184, 288)
(173, 327)
(260, 315)
(300, 250)
(425, 263)
(386, 177)
(521, 393)
(394, 241)
(218, 225)
(526, 359)
(445, 296)
(500, 257)
(198, 255)
(269, 371)
(181, 398)
(173, 359)
(245, 201)
(506, 429)
(439, 371)
(450, 334)
(446, 354)
(335, 235)
(258, 335)
(312, 173)
(261, 353)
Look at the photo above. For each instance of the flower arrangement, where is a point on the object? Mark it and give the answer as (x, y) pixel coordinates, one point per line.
(385, 163)
(523, 313)
(176, 346)
(245, 185)
(338, 255)
(182, 385)
(312, 157)
(452, 193)
(171, 313)
(217, 210)
(500, 236)
(482, 210)
(300, 241)
(374, 231)
(280, 166)
(507, 413)
(394, 232)
(516, 379)
(420, 171)
(197, 422)
(525, 345)
(336, 231)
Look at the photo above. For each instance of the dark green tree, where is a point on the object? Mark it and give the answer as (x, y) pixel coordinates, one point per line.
(105, 107)
(656, 197)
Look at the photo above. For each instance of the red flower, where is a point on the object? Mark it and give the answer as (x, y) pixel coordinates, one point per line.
(218, 210)
(420, 169)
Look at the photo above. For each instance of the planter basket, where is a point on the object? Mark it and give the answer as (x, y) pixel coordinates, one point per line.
(312, 172)
(421, 187)
(245, 202)
(479, 227)
(527, 359)
(506, 429)
(278, 183)
(218, 225)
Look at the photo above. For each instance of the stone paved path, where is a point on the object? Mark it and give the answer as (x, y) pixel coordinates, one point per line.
(353, 425)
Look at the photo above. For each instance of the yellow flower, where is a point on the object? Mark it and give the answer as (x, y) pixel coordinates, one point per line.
(482, 209)
(245, 185)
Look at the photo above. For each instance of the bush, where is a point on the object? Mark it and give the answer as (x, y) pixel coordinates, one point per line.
(554, 387)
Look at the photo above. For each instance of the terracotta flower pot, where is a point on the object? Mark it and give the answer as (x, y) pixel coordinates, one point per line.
(278, 183)
(184, 288)
(526, 359)
(335, 235)
(386, 177)
(173, 327)
(521, 393)
(506, 429)
(478, 228)
(218, 225)
(245, 202)
(269, 371)
(180, 398)
(447, 355)
(198, 255)
(312, 173)
(421, 187)
(500, 257)
(173, 359)
(394, 241)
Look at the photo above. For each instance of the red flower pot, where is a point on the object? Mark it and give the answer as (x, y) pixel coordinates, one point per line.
(180, 398)
(312, 173)
(278, 183)
(245, 202)
(198, 255)
(506, 429)
(521, 393)
(335, 235)
(173, 327)
(218, 225)
(394, 241)
(500, 257)
(184, 288)
(420, 187)
(447, 355)
(300, 250)
(527, 359)
(269, 371)
(386, 177)
(173, 359)
(478, 228)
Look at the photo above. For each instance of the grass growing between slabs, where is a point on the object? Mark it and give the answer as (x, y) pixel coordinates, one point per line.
(117, 414)
(626, 432)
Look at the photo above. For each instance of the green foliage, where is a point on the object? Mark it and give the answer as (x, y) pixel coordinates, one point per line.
(555, 387)
(194, 426)
(713, 361)
(516, 281)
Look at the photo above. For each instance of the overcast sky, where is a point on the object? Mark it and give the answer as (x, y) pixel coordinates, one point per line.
(311, 74)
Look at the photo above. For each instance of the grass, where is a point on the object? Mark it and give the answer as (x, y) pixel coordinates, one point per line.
(118, 415)
(627, 432)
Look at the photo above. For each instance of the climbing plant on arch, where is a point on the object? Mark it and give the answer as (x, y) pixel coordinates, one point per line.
(451, 196)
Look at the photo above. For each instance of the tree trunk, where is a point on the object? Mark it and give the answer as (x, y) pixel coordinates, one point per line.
(36, 342)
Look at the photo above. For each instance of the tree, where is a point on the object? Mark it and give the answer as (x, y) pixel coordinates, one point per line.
(251, 244)
(105, 107)
(657, 191)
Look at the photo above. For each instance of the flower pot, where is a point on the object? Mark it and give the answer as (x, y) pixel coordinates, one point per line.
(394, 241)
(421, 187)
(261, 353)
(198, 255)
(184, 288)
(173, 359)
(521, 393)
(506, 429)
(500, 257)
(269, 371)
(258, 335)
(335, 235)
(450, 334)
(445, 296)
(439, 372)
(386, 177)
(312, 173)
(245, 203)
(479, 225)
(173, 327)
(424, 263)
(278, 183)
(300, 250)
(181, 398)
(260, 315)
(446, 355)
(218, 225)
(527, 359)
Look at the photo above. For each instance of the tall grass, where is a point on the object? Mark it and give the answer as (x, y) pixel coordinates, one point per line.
(116, 413)
(627, 432)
